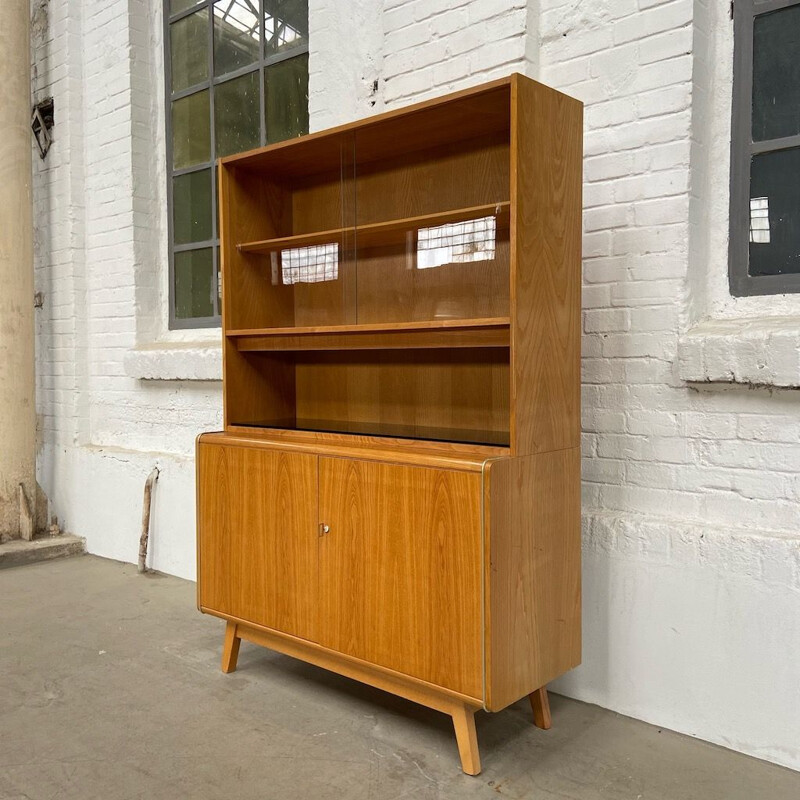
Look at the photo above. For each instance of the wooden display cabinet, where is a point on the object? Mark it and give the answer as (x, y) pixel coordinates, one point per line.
(395, 495)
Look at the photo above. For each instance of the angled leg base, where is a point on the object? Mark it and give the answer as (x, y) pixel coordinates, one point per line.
(230, 650)
(540, 704)
(467, 739)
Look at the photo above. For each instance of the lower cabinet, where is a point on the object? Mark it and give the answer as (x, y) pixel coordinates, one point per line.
(376, 561)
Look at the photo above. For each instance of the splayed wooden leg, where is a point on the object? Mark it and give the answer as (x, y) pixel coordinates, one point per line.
(540, 703)
(467, 739)
(230, 650)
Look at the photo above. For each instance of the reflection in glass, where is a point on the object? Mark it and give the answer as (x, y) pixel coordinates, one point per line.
(314, 264)
(457, 243)
(776, 74)
(775, 213)
(176, 6)
(285, 25)
(191, 207)
(286, 98)
(236, 118)
(194, 279)
(191, 130)
(188, 47)
(236, 34)
(759, 220)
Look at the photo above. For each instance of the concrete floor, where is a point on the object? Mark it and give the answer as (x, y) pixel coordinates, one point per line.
(110, 688)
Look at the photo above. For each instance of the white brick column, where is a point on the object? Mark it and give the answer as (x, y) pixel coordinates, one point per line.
(17, 410)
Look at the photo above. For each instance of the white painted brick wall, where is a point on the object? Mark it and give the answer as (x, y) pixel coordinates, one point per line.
(691, 493)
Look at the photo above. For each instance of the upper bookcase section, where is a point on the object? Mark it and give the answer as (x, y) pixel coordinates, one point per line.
(400, 220)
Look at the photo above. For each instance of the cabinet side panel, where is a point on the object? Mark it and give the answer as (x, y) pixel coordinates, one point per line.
(546, 153)
(257, 536)
(534, 573)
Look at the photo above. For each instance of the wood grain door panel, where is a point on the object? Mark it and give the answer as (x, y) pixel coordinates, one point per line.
(400, 569)
(258, 536)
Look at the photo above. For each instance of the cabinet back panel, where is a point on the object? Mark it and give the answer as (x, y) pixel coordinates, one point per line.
(392, 288)
(326, 296)
(443, 178)
(456, 389)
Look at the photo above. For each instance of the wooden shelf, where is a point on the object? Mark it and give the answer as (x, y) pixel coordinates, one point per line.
(381, 233)
(492, 332)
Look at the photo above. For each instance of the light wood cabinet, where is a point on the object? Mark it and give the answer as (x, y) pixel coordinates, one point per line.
(395, 495)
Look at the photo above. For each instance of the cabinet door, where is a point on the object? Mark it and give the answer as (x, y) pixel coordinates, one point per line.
(400, 569)
(257, 529)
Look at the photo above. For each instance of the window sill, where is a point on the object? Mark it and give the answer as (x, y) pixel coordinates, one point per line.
(757, 351)
(175, 361)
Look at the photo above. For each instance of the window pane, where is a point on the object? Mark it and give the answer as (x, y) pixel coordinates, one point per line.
(176, 6)
(194, 278)
(188, 47)
(191, 207)
(285, 25)
(286, 98)
(776, 74)
(191, 130)
(236, 115)
(236, 34)
(775, 213)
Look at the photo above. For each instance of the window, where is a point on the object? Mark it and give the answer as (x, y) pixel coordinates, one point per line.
(237, 78)
(765, 149)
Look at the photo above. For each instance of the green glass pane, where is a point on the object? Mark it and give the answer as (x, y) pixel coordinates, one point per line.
(776, 74)
(191, 207)
(236, 115)
(775, 213)
(286, 98)
(194, 279)
(176, 6)
(191, 130)
(236, 34)
(285, 25)
(188, 47)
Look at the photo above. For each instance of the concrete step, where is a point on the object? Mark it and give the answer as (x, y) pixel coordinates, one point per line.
(42, 548)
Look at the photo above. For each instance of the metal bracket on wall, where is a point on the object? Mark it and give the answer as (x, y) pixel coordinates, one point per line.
(41, 124)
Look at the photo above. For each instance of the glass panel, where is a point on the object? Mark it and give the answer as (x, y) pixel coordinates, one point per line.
(775, 213)
(776, 74)
(438, 248)
(194, 279)
(188, 47)
(191, 207)
(236, 34)
(176, 6)
(236, 115)
(191, 130)
(286, 98)
(285, 25)
(394, 430)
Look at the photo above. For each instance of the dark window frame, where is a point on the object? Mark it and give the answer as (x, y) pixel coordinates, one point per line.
(742, 149)
(212, 81)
